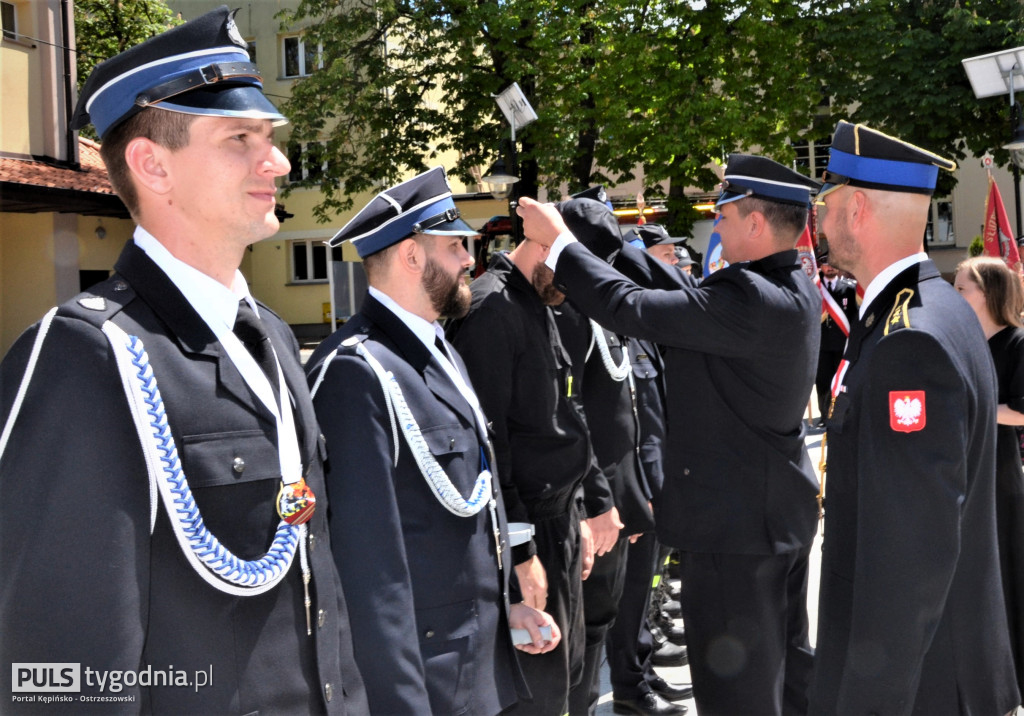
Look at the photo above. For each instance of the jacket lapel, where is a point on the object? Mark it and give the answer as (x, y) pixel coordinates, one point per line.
(186, 326)
(419, 357)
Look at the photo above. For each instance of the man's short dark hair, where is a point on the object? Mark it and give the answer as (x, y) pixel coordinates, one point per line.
(787, 220)
(166, 128)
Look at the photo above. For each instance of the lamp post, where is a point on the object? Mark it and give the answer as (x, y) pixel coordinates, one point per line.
(995, 74)
(1016, 149)
(519, 113)
(502, 181)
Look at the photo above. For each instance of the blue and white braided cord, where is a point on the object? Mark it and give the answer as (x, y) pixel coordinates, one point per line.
(208, 556)
(438, 481)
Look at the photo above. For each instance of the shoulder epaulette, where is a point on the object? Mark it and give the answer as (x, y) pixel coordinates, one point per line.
(899, 316)
(99, 303)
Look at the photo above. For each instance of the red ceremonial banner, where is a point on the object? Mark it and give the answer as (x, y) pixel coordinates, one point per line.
(998, 236)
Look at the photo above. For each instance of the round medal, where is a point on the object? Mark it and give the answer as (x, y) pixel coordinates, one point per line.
(296, 502)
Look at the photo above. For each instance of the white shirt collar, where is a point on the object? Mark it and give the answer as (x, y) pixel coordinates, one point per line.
(216, 304)
(885, 277)
(421, 327)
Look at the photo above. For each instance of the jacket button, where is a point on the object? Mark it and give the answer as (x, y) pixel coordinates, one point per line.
(321, 617)
(238, 464)
(686, 471)
(429, 634)
(328, 691)
(312, 542)
(120, 286)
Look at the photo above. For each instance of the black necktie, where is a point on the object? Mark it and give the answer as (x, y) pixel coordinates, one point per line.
(253, 335)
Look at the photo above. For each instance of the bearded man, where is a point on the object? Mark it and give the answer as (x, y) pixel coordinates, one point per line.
(530, 391)
(420, 530)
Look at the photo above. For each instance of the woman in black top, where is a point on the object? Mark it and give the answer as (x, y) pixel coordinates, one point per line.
(994, 292)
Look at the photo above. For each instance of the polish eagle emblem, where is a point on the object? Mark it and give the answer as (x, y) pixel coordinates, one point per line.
(907, 411)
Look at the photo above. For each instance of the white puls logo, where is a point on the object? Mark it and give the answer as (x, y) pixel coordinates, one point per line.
(40, 677)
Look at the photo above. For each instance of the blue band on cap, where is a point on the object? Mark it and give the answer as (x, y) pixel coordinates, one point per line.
(639, 243)
(115, 99)
(399, 227)
(882, 171)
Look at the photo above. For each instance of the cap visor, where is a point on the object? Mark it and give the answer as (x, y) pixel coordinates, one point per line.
(238, 101)
(826, 189)
(455, 227)
(727, 197)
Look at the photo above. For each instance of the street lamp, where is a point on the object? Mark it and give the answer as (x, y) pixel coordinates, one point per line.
(500, 178)
(996, 74)
(519, 113)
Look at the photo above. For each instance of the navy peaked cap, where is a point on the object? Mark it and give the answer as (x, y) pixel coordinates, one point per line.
(200, 68)
(654, 235)
(861, 156)
(421, 205)
(760, 177)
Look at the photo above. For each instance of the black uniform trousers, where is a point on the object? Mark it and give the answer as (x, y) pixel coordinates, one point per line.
(629, 642)
(602, 592)
(550, 676)
(739, 609)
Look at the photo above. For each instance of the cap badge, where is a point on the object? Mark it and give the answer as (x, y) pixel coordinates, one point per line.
(233, 33)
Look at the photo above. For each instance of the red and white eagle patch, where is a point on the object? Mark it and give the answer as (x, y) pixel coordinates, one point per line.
(906, 410)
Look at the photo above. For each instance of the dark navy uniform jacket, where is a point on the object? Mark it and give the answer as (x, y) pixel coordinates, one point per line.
(524, 377)
(82, 578)
(649, 377)
(741, 350)
(613, 416)
(427, 602)
(910, 615)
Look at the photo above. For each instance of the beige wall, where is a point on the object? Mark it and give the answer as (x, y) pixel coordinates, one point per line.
(40, 256)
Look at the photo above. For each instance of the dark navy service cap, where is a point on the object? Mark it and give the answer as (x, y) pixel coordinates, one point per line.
(421, 205)
(201, 68)
(760, 177)
(865, 157)
(653, 235)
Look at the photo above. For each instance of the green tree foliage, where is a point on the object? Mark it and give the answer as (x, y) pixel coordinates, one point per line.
(664, 84)
(897, 64)
(104, 28)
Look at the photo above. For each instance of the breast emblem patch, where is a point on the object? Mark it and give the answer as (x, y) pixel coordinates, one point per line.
(907, 410)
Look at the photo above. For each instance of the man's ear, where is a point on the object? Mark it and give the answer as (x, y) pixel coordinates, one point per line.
(147, 161)
(756, 224)
(857, 209)
(411, 255)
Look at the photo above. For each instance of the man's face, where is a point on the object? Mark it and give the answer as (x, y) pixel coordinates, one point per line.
(732, 228)
(843, 250)
(665, 253)
(447, 262)
(829, 271)
(223, 181)
(543, 280)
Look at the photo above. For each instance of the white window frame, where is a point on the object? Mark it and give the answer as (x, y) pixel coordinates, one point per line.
(311, 276)
(303, 70)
